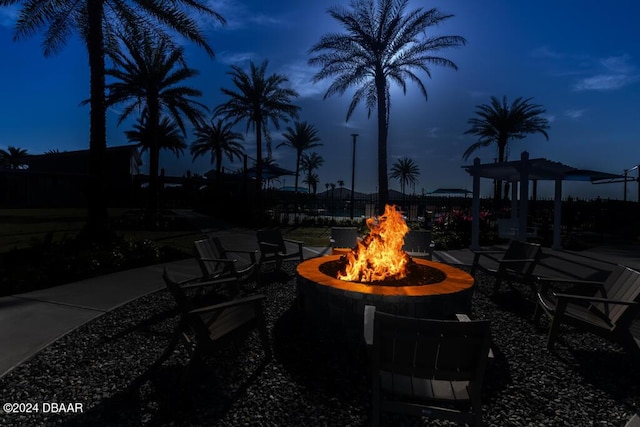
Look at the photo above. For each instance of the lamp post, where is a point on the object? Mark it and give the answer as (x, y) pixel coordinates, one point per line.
(353, 172)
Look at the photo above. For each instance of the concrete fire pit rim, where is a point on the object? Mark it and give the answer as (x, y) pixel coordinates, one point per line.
(455, 280)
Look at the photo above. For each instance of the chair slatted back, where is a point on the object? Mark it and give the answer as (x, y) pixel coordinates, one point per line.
(210, 248)
(523, 250)
(417, 241)
(222, 320)
(273, 237)
(182, 301)
(433, 349)
(344, 237)
(623, 284)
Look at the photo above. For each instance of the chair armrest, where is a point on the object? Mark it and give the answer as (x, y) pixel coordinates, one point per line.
(488, 252)
(241, 251)
(252, 254)
(571, 297)
(273, 245)
(549, 280)
(209, 283)
(297, 242)
(513, 261)
(546, 283)
(223, 260)
(232, 303)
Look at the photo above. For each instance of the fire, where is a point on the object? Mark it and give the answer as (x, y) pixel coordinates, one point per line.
(379, 256)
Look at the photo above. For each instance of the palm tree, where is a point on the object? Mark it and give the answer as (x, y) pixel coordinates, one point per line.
(218, 139)
(406, 171)
(381, 44)
(13, 157)
(97, 21)
(151, 79)
(311, 162)
(341, 185)
(312, 181)
(168, 137)
(301, 137)
(499, 123)
(259, 100)
(268, 162)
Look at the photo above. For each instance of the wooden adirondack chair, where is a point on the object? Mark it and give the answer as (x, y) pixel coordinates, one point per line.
(417, 243)
(273, 248)
(203, 329)
(517, 262)
(215, 262)
(343, 238)
(608, 312)
(421, 363)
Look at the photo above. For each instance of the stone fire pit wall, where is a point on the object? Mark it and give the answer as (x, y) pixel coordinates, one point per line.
(326, 299)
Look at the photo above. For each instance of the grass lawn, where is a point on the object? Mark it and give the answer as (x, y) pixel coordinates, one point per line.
(311, 236)
(20, 227)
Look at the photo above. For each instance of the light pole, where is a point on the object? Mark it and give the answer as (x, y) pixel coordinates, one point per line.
(353, 172)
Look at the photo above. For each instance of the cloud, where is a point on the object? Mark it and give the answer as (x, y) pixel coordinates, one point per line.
(9, 16)
(238, 16)
(575, 113)
(604, 82)
(618, 64)
(546, 52)
(613, 72)
(300, 75)
(433, 133)
(550, 118)
(601, 74)
(231, 58)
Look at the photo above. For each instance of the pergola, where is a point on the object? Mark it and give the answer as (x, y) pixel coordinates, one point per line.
(522, 171)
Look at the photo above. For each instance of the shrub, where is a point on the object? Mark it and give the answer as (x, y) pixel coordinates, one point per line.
(45, 263)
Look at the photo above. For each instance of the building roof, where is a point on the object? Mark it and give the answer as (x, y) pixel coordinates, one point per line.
(456, 191)
(539, 169)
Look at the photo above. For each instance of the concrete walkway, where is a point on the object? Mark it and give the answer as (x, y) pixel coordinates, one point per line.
(31, 321)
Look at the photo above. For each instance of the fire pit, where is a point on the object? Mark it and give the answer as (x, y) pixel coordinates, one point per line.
(377, 272)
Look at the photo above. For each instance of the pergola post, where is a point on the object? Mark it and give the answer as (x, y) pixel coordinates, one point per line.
(475, 207)
(557, 215)
(524, 196)
(514, 199)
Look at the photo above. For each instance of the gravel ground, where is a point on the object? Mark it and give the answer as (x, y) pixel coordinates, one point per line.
(316, 377)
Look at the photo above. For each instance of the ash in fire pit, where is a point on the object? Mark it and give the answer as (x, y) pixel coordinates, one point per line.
(417, 274)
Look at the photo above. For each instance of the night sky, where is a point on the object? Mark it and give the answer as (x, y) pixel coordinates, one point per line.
(578, 59)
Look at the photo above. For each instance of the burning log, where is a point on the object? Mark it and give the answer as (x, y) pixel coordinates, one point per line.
(379, 256)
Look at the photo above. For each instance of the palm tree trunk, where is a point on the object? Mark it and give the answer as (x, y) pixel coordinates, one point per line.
(383, 128)
(219, 173)
(258, 164)
(97, 226)
(502, 144)
(153, 208)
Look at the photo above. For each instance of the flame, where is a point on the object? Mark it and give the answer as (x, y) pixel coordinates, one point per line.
(379, 256)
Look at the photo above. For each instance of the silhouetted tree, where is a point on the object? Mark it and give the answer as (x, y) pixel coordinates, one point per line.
(406, 171)
(168, 136)
(14, 158)
(151, 78)
(301, 137)
(259, 100)
(217, 139)
(311, 162)
(312, 181)
(382, 43)
(499, 123)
